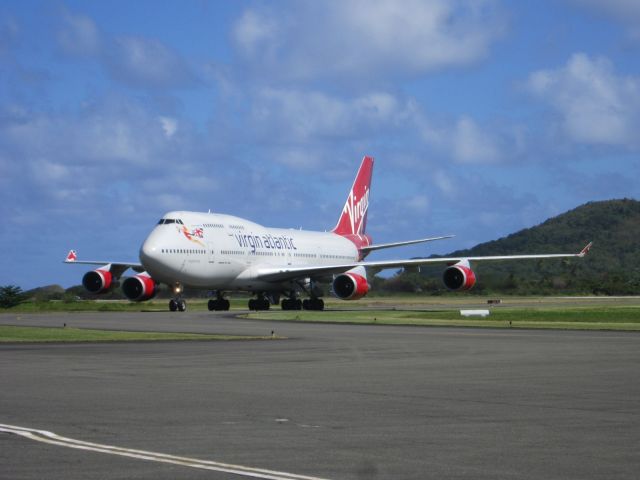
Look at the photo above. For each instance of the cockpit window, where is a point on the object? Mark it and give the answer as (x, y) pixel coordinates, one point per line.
(167, 221)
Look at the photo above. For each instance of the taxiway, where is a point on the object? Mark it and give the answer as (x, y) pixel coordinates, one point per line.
(332, 401)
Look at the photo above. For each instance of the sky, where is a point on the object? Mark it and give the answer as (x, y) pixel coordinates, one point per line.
(484, 117)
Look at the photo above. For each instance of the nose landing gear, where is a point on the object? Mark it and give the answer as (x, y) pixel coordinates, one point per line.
(177, 303)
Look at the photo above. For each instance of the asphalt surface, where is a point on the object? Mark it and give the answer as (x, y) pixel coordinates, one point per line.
(333, 401)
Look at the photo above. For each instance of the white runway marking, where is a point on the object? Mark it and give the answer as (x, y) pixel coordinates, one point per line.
(53, 439)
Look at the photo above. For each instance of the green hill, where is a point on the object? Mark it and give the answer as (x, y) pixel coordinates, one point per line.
(610, 268)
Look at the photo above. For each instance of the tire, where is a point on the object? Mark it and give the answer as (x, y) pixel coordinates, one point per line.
(173, 305)
(211, 305)
(182, 305)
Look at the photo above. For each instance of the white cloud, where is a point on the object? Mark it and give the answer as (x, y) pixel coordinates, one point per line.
(444, 183)
(418, 203)
(296, 116)
(595, 106)
(471, 145)
(362, 39)
(87, 158)
(626, 12)
(465, 142)
(147, 62)
(253, 30)
(169, 126)
(289, 119)
(133, 60)
(79, 35)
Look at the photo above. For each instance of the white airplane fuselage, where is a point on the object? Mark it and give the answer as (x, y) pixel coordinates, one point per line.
(222, 252)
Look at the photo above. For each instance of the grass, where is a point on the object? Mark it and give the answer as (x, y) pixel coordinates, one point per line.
(16, 334)
(110, 306)
(580, 318)
(592, 313)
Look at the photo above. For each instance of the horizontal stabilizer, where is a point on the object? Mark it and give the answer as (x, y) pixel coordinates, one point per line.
(72, 257)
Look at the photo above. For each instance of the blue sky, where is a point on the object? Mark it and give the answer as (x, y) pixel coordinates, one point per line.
(485, 117)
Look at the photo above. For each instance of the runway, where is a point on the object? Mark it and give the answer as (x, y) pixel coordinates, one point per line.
(332, 401)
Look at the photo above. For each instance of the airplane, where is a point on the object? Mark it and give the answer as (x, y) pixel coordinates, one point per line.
(224, 253)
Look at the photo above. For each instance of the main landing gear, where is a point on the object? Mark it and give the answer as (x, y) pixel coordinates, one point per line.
(219, 304)
(177, 303)
(260, 303)
(291, 304)
(313, 303)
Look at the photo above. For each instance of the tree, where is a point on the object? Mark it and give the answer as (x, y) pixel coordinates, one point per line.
(10, 296)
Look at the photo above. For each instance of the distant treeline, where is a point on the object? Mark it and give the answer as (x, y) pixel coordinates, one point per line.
(612, 267)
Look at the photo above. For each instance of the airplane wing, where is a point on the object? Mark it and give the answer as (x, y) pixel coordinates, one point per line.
(117, 268)
(278, 274)
(380, 246)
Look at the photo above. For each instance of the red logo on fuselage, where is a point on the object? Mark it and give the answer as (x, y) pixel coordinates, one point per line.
(193, 234)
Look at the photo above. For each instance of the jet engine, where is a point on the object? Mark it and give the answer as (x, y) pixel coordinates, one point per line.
(97, 281)
(139, 288)
(459, 277)
(350, 286)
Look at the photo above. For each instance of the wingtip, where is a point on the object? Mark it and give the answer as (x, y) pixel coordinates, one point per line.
(585, 250)
(72, 256)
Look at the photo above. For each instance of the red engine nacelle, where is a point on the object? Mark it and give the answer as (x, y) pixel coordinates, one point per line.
(97, 281)
(459, 277)
(349, 286)
(139, 288)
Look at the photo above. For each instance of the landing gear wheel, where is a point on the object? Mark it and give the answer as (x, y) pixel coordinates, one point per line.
(221, 304)
(173, 305)
(291, 304)
(313, 303)
(259, 304)
(182, 305)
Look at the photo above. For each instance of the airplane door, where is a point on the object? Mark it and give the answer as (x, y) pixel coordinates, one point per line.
(211, 253)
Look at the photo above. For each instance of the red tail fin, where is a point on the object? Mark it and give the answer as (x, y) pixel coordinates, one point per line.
(353, 219)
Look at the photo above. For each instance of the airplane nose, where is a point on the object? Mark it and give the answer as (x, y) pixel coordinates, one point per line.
(149, 250)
